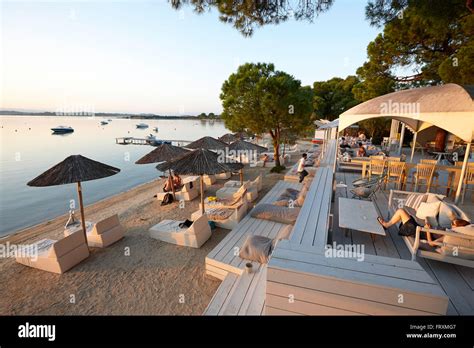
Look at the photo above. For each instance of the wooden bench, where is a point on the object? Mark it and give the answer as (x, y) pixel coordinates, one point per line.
(312, 224)
(224, 258)
(309, 283)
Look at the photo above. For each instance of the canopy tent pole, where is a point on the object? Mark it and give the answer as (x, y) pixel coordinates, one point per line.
(413, 146)
(81, 205)
(402, 135)
(463, 173)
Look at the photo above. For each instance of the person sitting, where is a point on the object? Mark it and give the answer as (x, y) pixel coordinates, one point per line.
(174, 180)
(344, 144)
(361, 152)
(301, 164)
(409, 225)
(177, 182)
(362, 136)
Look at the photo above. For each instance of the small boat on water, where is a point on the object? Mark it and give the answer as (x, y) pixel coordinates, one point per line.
(62, 129)
(110, 120)
(142, 125)
(104, 123)
(150, 137)
(155, 129)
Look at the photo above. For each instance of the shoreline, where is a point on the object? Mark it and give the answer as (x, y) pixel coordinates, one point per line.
(25, 230)
(151, 278)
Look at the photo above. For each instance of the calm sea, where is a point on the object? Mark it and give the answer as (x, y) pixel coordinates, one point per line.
(27, 149)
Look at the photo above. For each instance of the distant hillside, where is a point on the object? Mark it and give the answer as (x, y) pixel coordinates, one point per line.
(108, 114)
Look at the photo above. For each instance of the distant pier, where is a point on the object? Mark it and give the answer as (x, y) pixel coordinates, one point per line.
(144, 141)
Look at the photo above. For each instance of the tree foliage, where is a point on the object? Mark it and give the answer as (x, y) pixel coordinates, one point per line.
(423, 43)
(246, 15)
(259, 99)
(333, 97)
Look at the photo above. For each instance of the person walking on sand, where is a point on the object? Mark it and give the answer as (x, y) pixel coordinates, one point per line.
(301, 164)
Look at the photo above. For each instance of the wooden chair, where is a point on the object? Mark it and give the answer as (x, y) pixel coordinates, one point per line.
(423, 172)
(433, 163)
(468, 180)
(393, 159)
(395, 173)
(377, 158)
(376, 167)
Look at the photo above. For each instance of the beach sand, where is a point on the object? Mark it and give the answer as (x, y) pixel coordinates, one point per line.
(156, 278)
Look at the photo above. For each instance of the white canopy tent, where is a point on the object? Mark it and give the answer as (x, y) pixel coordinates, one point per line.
(450, 107)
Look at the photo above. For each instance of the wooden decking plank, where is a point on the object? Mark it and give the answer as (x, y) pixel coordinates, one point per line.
(468, 274)
(221, 295)
(454, 285)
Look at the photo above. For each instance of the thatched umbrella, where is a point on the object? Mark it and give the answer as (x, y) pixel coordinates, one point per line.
(74, 169)
(200, 162)
(164, 152)
(240, 146)
(228, 138)
(208, 143)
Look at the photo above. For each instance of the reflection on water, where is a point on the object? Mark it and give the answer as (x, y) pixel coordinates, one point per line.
(28, 148)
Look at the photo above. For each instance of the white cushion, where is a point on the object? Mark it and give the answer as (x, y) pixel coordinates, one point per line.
(427, 210)
(414, 200)
(446, 215)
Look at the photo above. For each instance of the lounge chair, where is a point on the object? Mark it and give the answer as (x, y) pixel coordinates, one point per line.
(252, 187)
(223, 176)
(188, 192)
(225, 213)
(101, 234)
(209, 180)
(194, 236)
(56, 256)
(442, 251)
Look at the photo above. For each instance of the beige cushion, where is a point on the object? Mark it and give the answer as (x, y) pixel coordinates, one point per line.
(414, 200)
(428, 210)
(256, 248)
(67, 244)
(457, 247)
(281, 203)
(433, 197)
(275, 213)
(284, 233)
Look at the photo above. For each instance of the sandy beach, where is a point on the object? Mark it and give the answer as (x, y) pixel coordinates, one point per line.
(155, 279)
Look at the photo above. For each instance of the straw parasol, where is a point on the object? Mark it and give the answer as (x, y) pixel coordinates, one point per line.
(245, 146)
(164, 152)
(200, 162)
(74, 169)
(228, 138)
(208, 143)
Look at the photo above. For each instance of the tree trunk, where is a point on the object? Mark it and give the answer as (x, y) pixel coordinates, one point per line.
(276, 150)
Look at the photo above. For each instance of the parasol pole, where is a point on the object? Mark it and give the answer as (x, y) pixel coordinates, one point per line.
(171, 183)
(81, 204)
(241, 172)
(202, 193)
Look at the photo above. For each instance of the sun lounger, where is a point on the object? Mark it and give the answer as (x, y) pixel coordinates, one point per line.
(101, 234)
(209, 180)
(227, 192)
(194, 236)
(56, 256)
(223, 176)
(188, 192)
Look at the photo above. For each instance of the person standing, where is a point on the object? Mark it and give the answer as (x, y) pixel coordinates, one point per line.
(301, 164)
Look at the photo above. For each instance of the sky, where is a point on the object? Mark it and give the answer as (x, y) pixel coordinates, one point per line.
(145, 57)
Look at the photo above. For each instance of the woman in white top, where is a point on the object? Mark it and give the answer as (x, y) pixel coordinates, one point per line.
(301, 164)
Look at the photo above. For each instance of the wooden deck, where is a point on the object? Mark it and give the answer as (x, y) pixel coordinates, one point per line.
(224, 258)
(456, 281)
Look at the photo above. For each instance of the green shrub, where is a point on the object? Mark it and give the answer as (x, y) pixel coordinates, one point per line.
(277, 169)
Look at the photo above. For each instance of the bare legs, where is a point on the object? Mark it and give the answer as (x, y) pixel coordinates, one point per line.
(400, 215)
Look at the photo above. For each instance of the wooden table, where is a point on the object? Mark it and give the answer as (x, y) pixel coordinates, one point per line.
(359, 215)
(454, 173)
